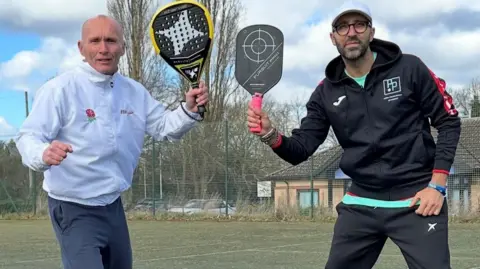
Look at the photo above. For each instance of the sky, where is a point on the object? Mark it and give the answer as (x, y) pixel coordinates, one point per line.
(39, 40)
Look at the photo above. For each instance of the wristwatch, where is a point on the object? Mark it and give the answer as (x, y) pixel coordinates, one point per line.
(441, 189)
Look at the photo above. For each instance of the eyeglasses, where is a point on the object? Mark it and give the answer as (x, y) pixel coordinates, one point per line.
(360, 27)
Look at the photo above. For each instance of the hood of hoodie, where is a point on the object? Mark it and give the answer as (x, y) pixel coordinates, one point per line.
(387, 54)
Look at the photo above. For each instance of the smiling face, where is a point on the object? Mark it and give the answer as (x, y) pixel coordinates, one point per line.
(102, 44)
(352, 35)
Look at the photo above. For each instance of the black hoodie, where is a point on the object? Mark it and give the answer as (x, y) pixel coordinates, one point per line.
(384, 128)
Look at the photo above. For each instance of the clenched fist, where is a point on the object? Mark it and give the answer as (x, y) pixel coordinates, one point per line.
(56, 153)
(196, 97)
(257, 118)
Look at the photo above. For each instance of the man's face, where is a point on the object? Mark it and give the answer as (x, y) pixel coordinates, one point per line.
(102, 44)
(352, 36)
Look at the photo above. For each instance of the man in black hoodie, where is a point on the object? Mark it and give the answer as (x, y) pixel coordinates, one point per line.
(380, 103)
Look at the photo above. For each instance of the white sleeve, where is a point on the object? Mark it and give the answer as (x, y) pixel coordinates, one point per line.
(164, 124)
(40, 127)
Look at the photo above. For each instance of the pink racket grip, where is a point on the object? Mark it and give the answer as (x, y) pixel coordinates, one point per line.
(257, 103)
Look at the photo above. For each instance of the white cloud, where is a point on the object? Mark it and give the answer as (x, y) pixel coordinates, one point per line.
(291, 89)
(399, 10)
(32, 13)
(314, 49)
(54, 56)
(5, 128)
(21, 65)
(450, 53)
(454, 49)
(287, 15)
(390, 11)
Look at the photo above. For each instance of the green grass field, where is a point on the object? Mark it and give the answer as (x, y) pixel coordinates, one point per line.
(217, 245)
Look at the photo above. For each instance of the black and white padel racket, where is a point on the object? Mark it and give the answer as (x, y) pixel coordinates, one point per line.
(182, 34)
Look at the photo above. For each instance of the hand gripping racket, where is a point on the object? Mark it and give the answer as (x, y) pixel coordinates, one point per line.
(259, 61)
(182, 34)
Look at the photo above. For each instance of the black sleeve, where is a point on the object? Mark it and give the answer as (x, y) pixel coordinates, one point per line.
(312, 132)
(437, 104)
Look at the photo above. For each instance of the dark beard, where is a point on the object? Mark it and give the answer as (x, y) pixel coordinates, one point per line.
(355, 54)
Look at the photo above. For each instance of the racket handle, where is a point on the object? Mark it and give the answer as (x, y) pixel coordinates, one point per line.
(201, 108)
(257, 104)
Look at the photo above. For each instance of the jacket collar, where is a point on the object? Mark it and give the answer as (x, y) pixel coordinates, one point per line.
(95, 76)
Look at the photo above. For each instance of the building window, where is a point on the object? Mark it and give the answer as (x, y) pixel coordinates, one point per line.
(305, 196)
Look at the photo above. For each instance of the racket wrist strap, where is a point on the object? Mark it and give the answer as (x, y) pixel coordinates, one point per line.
(187, 113)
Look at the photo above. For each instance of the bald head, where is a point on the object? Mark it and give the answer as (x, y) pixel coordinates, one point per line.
(101, 19)
(102, 43)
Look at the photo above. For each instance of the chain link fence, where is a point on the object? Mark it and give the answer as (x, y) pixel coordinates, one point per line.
(220, 168)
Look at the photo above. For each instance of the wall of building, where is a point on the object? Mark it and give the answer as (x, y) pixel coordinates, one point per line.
(286, 193)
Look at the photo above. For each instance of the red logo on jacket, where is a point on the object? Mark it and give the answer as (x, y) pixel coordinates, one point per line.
(90, 115)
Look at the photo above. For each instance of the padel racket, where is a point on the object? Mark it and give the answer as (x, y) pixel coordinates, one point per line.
(259, 61)
(182, 34)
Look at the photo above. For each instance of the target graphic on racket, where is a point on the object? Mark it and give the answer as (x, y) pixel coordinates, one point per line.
(258, 45)
(259, 57)
(259, 61)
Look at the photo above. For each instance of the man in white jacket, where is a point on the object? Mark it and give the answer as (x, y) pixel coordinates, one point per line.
(86, 132)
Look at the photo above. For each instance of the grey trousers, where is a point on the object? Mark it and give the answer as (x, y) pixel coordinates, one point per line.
(94, 237)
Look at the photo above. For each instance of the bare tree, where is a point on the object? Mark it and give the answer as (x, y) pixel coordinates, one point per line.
(292, 114)
(464, 97)
(203, 149)
(219, 72)
(140, 61)
(197, 165)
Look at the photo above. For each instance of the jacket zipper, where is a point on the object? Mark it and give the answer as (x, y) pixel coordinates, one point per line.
(370, 124)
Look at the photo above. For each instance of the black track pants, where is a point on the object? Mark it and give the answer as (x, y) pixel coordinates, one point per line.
(361, 232)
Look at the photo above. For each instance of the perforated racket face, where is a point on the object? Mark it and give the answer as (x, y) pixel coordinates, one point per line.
(182, 34)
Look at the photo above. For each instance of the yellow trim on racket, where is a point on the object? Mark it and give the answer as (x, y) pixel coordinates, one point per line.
(180, 2)
(198, 63)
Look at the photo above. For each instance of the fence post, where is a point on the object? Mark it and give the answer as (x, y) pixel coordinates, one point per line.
(31, 173)
(311, 187)
(153, 175)
(160, 169)
(226, 167)
(34, 188)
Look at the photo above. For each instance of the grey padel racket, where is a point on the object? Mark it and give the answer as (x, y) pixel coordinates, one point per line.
(259, 61)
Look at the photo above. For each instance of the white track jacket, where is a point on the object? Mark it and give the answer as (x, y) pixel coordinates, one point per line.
(105, 119)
